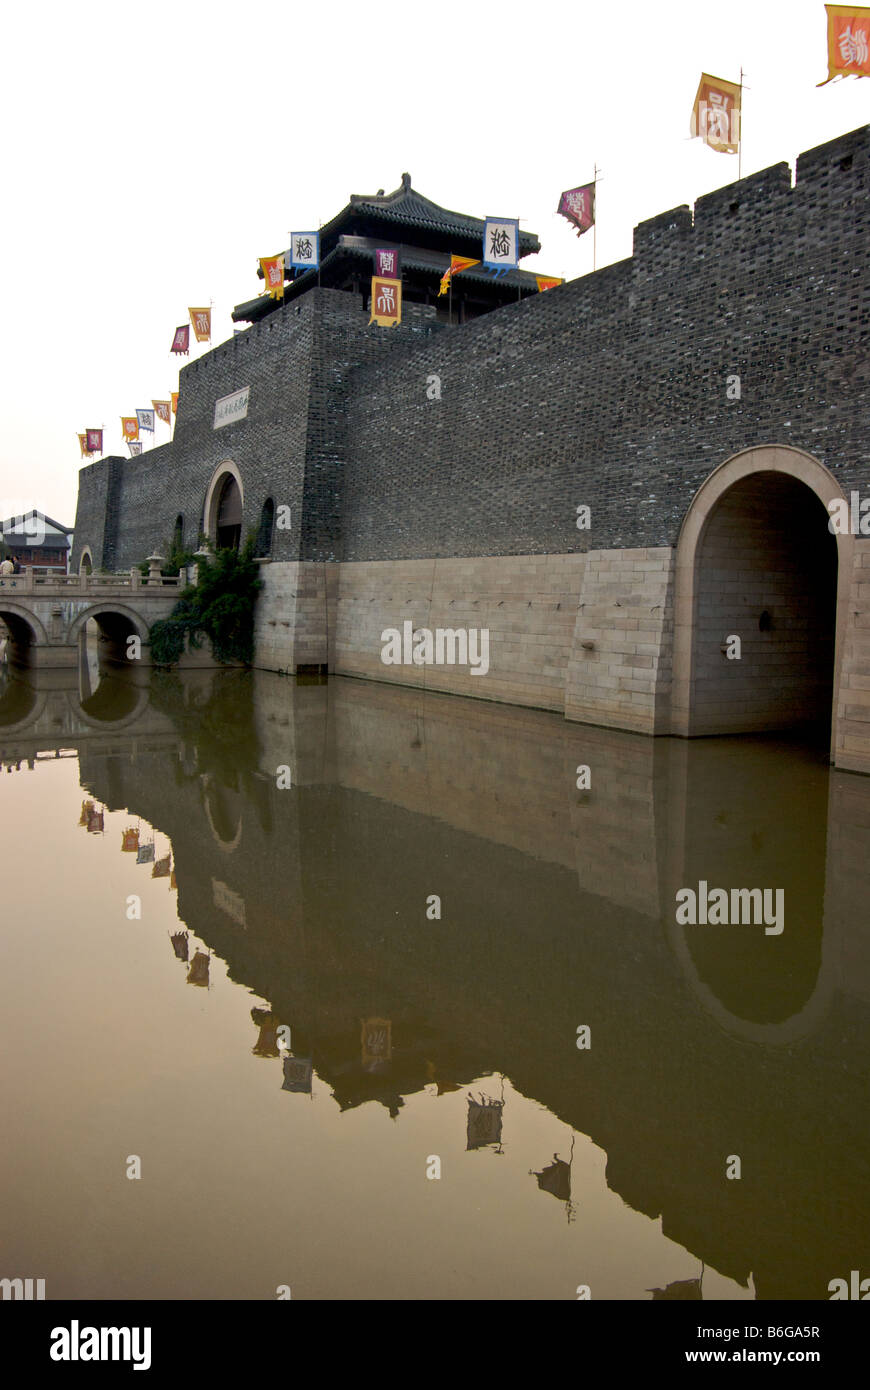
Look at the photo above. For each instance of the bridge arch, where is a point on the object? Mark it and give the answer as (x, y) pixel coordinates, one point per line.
(24, 628)
(107, 611)
(755, 558)
(224, 503)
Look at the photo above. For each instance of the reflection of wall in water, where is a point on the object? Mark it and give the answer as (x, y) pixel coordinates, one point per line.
(541, 930)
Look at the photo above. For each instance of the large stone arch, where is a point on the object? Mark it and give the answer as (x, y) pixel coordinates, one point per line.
(771, 459)
(225, 469)
(18, 610)
(109, 608)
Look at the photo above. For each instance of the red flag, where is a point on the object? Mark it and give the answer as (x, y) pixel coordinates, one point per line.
(181, 341)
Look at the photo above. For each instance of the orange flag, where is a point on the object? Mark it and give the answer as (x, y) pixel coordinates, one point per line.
(163, 409)
(201, 320)
(547, 282)
(457, 263)
(83, 445)
(175, 402)
(273, 274)
(130, 427)
(716, 114)
(848, 42)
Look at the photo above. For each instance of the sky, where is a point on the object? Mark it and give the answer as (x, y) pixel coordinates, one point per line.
(152, 154)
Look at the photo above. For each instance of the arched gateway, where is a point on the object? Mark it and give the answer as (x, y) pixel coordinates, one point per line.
(757, 561)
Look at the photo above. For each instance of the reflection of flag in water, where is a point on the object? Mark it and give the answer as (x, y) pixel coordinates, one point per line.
(129, 841)
(161, 867)
(556, 1178)
(681, 1289)
(95, 823)
(848, 42)
(172, 879)
(297, 1074)
(87, 809)
(443, 1086)
(145, 853)
(377, 1043)
(179, 944)
(267, 1043)
(198, 972)
(484, 1122)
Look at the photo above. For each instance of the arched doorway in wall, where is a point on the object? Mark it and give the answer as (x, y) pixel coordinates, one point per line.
(224, 508)
(86, 564)
(229, 516)
(757, 561)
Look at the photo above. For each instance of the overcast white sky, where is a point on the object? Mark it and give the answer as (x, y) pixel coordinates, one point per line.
(152, 153)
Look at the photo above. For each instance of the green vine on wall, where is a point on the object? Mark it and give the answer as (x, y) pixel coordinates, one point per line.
(220, 607)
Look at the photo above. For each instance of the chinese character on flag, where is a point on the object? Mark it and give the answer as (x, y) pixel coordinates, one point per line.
(386, 302)
(501, 239)
(135, 447)
(163, 411)
(305, 249)
(130, 427)
(201, 320)
(387, 263)
(578, 206)
(95, 441)
(848, 42)
(181, 341)
(273, 274)
(716, 114)
(175, 402)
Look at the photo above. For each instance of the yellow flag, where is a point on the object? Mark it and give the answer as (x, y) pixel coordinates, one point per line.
(83, 445)
(716, 114)
(386, 301)
(848, 42)
(130, 427)
(457, 263)
(201, 320)
(547, 282)
(175, 402)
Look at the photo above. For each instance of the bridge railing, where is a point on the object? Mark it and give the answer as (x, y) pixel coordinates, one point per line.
(68, 584)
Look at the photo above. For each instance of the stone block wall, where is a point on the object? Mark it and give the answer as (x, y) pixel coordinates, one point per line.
(619, 672)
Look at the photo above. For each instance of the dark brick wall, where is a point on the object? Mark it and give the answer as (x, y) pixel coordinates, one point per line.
(609, 391)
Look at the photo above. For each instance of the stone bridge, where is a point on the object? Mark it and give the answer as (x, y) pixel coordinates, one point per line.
(45, 615)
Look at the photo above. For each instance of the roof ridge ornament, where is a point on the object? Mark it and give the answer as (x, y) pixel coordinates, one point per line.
(406, 183)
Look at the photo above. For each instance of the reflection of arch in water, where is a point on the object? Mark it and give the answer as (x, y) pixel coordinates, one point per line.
(20, 706)
(115, 703)
(801, 1024)
(222, 819)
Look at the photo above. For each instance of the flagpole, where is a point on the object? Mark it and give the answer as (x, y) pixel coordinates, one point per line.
(740, 130)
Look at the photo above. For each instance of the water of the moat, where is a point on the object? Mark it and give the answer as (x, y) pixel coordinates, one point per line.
(247, 985)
